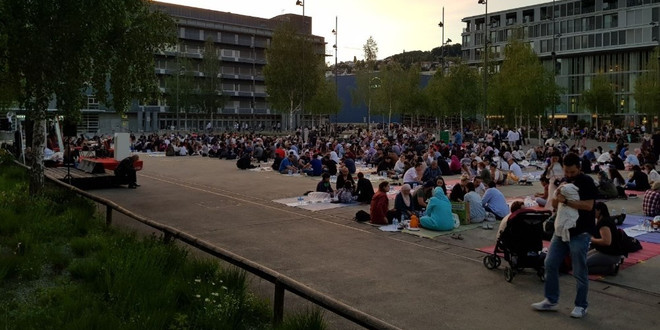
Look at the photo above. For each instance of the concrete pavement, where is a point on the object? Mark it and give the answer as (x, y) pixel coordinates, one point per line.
(411, 282)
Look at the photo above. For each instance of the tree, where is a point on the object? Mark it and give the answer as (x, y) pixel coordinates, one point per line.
(647, 86)
(59, 49)
(365, 79)
(435, 103)
(291, 82)
(388, 95)
(370, 51)
(521, 83)
(458, 90)
(600, 97)
(210, 98)
(181, 92)
(325, 99)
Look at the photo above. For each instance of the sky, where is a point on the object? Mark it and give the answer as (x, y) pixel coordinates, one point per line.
(395, 25)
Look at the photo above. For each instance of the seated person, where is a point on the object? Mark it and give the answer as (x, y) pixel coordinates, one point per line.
(423, 194)
(495, 202)
(606, 188)
(345, 193)
(329, 165)
(404, 205)
(349, 162)
(639, 180)
(317, 166)
(386, 165)
(324, 185)
(440, 182)
(515, 206)
(432, 172)
(438, 215)
(344, 176)
(379, 205)
(459, 190)
(400, 165)
(515, 172)
(454, 165)
(245, 162)
(542, 197)
(477, 211)
(651, 204)
(606, 239)
(364, 190)
(288, 165)
(125, 171)
(413, 175)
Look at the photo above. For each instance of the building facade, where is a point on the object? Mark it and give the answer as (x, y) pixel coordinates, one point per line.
(583, 38)
(241, 42)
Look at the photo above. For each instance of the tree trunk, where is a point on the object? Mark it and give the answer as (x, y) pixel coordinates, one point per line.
(290, 114)
(38, 147)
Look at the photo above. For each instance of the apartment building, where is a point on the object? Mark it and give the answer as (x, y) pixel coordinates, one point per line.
(588, 37)
(241, 43)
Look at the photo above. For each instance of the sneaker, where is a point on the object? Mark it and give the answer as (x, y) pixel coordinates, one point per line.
(545, 305)
(578, 312)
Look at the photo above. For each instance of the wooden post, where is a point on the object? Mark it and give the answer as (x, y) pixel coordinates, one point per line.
(108, 215)
(278, 303)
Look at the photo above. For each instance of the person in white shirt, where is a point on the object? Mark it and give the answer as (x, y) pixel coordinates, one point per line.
(400, 165)
(514, 169)
(512, 136)
(652, 173)
(412, 175)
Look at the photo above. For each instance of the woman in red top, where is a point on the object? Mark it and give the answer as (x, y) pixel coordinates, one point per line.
(380, 204)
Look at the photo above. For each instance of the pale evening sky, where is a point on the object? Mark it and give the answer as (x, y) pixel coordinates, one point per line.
(396, 25)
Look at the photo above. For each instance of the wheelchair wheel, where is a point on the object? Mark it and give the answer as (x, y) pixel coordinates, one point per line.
(489, 262)
(508, 274)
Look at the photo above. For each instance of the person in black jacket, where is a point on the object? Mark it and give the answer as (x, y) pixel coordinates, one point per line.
(639, 180)
(125, 171)
(364, 190)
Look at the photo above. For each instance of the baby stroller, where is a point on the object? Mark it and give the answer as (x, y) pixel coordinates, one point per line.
(520, 243)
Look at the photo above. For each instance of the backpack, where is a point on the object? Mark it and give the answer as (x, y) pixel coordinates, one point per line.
(362, 216)
(629, 244)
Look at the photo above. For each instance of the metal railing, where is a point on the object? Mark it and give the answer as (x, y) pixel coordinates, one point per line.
(282, 283)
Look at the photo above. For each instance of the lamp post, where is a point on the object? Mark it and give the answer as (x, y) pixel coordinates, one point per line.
(555, 35)
(302, 103)
(486, 24)
(335, 31)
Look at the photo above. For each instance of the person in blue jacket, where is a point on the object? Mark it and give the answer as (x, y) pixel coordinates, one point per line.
(438, 213)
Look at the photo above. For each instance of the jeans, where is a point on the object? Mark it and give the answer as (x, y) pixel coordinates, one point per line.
(577, 247)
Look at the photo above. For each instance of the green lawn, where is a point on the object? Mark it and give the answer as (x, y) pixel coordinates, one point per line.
(62, 268)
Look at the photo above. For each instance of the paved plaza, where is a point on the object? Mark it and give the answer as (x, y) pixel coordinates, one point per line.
(410, 282)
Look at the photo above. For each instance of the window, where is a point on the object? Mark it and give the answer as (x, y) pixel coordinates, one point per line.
(615, 38)
(606, 39)
(611, 21)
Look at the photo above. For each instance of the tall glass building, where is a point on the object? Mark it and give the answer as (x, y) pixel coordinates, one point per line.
(584, 38)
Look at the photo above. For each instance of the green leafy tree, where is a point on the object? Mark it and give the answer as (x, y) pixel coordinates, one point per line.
(181, 91)
(387, 96)
(366, 80)
(458, 91)
(325, 99)
(434, 102)
(210, 98)
(291, 81)
(521, 83)
(600, 99)
(647, 87)
(59, 49)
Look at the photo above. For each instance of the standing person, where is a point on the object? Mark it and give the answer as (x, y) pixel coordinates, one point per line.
(126, 171)
(577, 246)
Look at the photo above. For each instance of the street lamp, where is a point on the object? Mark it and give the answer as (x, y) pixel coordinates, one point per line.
(302, 104)
(335, 31)
(442, 50)
(486, 23)
(555, 36)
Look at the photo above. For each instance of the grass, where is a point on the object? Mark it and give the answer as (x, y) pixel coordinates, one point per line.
(73, 272)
